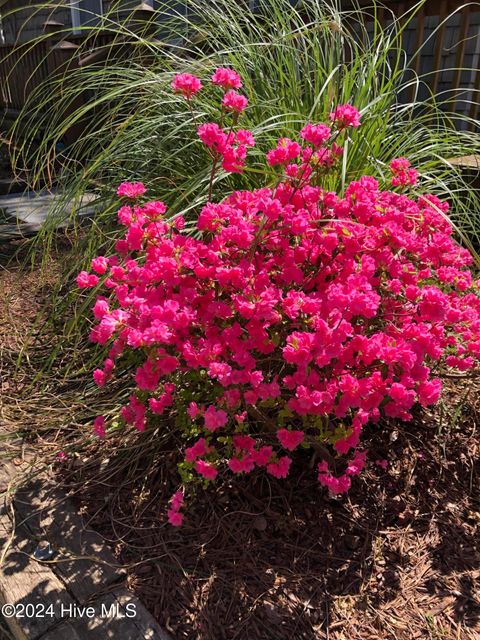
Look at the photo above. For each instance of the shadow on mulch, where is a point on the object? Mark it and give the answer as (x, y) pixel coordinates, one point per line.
(260, 559)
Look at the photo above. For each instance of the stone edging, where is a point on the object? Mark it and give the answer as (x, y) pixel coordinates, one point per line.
(80, 593)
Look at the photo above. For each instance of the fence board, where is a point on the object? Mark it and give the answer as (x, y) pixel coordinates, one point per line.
(439, 45)
(460, 53)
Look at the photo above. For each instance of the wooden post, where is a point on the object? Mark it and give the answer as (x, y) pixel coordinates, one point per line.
(64, 59)
(418, 44)
(440, 40)
(460, 57)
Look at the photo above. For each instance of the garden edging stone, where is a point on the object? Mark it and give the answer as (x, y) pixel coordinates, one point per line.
(80, 591)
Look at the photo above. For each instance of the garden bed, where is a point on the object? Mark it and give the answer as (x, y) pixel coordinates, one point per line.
(37, 520)
(397, 558)
(285, 312)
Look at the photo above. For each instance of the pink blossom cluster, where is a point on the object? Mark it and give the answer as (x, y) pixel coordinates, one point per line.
(226, 78)
(99, 427)
(402, 173)
(345, 115)
(292, 320)
(131, 190)
(233, 101)
(230, 147)
(224, 145)
(186, 84)
(319, 153)
(175, 516)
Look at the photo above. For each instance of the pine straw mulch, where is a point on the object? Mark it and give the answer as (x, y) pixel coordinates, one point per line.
(259, 559)
(396, 559)
(24, 290)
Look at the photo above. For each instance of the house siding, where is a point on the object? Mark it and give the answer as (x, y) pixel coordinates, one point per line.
(26, 23)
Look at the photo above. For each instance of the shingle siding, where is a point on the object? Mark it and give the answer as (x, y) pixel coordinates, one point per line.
(22, 22)
(27, 23)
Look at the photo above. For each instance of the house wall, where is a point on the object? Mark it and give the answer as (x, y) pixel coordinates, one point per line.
(22, 23)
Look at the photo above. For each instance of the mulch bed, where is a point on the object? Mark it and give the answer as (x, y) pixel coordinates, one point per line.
(260, 559)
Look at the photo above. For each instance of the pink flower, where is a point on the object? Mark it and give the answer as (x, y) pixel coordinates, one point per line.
(99, 426)
(334, 484)
(316, 134)
(286, 151)
(105, 330)
(401, 395)
(280, 468)
(337, 150)
(234, 159)
(262, 456)
(179, 222)
(383, 464)
(154, 209)
(100, 265)
(86, 280)
(429, 392)
(198, 450)
(206, 469)
(434, 304)
(134, 413)
(226, 78)
(247, 443)
(100, 377)
(147, 376)
(212, 136)
(214, 418)
(345, 116)
(241, 465)
(193, 410)
(245, 137)
(100, 308)
(357, 464)
(399, 164)
(131, 190)
(135, 237)
(176, 500)
(186, 84)
(233, 101)
(158, 405)
(403, 175)
(299, 347)
(175, 518)
(125, 215)
(290, 439)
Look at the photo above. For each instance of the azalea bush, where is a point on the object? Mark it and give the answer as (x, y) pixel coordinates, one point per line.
(295, 316)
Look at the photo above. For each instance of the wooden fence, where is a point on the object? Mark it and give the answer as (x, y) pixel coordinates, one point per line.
(38, 44)
(447, 33)
(24, 68)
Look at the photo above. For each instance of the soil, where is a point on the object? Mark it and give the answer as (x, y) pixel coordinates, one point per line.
(396, 559)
